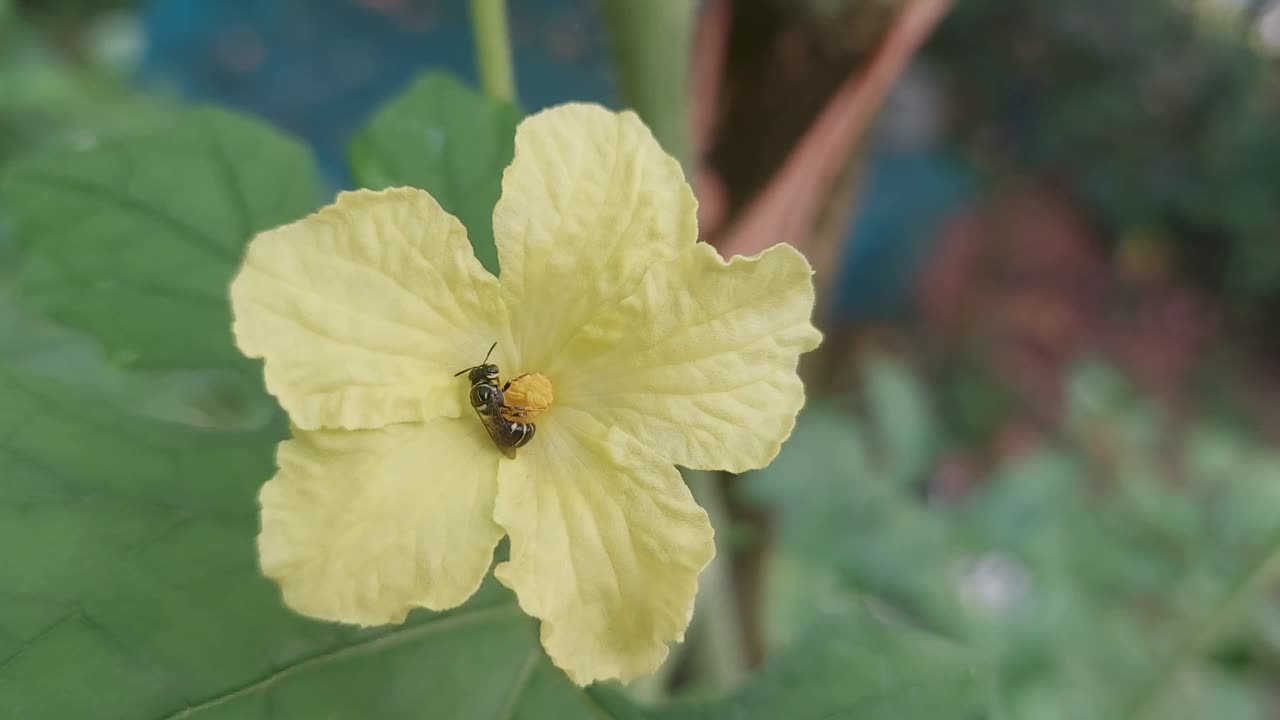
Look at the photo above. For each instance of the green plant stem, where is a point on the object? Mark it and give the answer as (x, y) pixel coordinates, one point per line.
(493, 49)
(1262, 574)
(720, 653)
(651, 42)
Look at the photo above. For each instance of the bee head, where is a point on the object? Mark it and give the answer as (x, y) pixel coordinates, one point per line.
(483, 374)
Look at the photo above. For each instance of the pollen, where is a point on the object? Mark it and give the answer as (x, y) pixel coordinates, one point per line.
(526, 397)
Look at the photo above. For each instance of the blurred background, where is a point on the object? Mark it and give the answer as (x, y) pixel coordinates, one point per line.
(1044, 423)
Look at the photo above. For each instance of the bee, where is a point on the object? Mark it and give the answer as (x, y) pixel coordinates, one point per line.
(489, 404)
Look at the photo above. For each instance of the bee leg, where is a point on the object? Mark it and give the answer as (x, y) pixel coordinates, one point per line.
(508, 383)
(516, 411)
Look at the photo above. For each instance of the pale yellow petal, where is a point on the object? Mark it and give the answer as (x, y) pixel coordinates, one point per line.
(365, 309)
(588, 204)
(700, 364)
(363, 526)
(606, 547)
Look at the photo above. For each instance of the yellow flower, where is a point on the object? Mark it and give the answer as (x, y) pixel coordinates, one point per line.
(652, 351)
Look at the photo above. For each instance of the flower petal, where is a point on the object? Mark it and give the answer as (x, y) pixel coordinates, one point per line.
(699, 365)
(365, 309)
(361, 527)
(589, 202)
(606, 547)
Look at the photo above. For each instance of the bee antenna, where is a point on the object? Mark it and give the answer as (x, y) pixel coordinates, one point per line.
(486, 360)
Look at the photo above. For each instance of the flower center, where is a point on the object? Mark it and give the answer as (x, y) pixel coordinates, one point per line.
(526, 397)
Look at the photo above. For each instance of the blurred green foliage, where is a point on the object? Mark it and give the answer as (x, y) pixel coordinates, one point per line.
(850, 665)
(69, 90)
(1162, 117)
(1115, 571)
(69, 13)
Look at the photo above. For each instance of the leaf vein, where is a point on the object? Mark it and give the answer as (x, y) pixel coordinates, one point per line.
(396, 637)
(89, 189)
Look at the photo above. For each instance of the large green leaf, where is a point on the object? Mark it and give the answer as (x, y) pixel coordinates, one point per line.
(210, 397)
(129, 588)
(134, 239)
(449, 140)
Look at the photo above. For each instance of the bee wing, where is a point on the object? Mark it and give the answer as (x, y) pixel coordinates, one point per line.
(494, 427)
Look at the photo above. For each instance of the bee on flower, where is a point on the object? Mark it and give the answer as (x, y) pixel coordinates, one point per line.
(629, 345)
